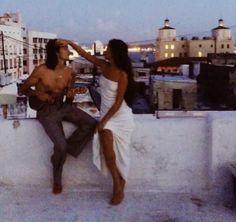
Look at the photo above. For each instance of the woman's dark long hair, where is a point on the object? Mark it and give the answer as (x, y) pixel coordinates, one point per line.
(119, 51)
(51, 58)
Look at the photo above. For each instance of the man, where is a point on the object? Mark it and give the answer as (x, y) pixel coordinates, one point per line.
(53, 82)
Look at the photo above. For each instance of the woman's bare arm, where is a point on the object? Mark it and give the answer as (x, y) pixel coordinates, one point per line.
(122, 86)
(93, 59)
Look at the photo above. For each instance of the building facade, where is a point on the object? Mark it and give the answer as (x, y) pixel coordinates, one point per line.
(168, 45)
(11, 45)
(34, 49)
(173, 93)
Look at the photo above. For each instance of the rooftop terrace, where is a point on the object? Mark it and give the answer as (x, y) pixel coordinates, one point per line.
(179, 172)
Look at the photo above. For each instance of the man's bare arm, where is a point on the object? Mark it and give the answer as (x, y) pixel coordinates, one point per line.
(32, 80)
(71, 91)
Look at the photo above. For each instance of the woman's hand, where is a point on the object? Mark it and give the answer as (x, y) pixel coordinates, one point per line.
(100, 126)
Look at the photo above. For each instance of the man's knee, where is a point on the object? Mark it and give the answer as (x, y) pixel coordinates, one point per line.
(92, 123)
(58, 158)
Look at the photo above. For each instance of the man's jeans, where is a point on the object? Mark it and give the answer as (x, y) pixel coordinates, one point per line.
(51, 117)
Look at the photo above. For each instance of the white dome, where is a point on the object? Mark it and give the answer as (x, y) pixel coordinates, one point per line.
(98, 43)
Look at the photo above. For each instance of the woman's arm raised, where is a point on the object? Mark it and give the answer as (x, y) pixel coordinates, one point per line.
(93, 59)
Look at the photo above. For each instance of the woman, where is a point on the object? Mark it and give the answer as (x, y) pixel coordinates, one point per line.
(113, 132)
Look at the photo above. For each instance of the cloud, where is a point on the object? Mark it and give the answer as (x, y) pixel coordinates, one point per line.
(105, 25)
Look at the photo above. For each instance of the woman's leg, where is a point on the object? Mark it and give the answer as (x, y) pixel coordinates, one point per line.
(106, 139)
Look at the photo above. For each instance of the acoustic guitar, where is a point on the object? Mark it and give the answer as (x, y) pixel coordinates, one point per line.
(37, 104)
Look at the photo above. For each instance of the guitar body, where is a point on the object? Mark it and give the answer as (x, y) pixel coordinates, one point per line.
(35, 103)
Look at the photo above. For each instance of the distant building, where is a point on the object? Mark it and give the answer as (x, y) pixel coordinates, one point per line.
(188, 66)
(81, 66)
(222, 59)
(173, 92)
(23, 49)
(217, 86)
(168, 45)
(11, 27)
(34, 49)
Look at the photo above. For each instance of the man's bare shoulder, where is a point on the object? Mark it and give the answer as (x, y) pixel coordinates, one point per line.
(69, 69)
(39, 70)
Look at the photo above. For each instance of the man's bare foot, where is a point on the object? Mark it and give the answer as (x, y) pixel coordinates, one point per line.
(57, 188)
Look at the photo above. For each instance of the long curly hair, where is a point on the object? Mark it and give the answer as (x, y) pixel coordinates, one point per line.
(51, 54)
(119, 51)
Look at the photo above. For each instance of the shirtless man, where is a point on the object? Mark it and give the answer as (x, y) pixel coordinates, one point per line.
(52, 82)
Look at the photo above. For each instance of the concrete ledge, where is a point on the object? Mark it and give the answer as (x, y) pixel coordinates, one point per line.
(167, 154)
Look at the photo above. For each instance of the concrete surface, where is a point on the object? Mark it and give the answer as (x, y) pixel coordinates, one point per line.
(35, 204)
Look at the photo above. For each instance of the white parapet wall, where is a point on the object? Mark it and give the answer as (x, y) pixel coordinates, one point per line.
(174, 154)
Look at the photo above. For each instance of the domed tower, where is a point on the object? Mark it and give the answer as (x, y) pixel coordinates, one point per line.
(224, 42)
(166, 42)
(221, 32)
(167, 32)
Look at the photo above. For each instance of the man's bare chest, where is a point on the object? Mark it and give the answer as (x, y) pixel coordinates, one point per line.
(53, 83)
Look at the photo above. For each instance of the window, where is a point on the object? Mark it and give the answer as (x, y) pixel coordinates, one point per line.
(11, 64)
(172, 46)
(222, 46)
(228, 46)
(211, 45)
(177, 99)
(6, 63)
(15, 63)
(166, 46)
(199, 54)
(166, 55)
(180, 54)
(40, 40)
(34, 40)
(35, 62)
(182, 46)
(200, 45)
(172, 55)
(25, 63)
(25, 51)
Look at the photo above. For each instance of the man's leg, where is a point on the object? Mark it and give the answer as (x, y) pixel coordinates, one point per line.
(57, 163)
(83, 134)
(53, 127)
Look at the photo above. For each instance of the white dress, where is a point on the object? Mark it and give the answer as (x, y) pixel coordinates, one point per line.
(121, 124)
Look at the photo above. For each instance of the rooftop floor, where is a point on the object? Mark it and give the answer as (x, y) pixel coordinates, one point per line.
(35, 204)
